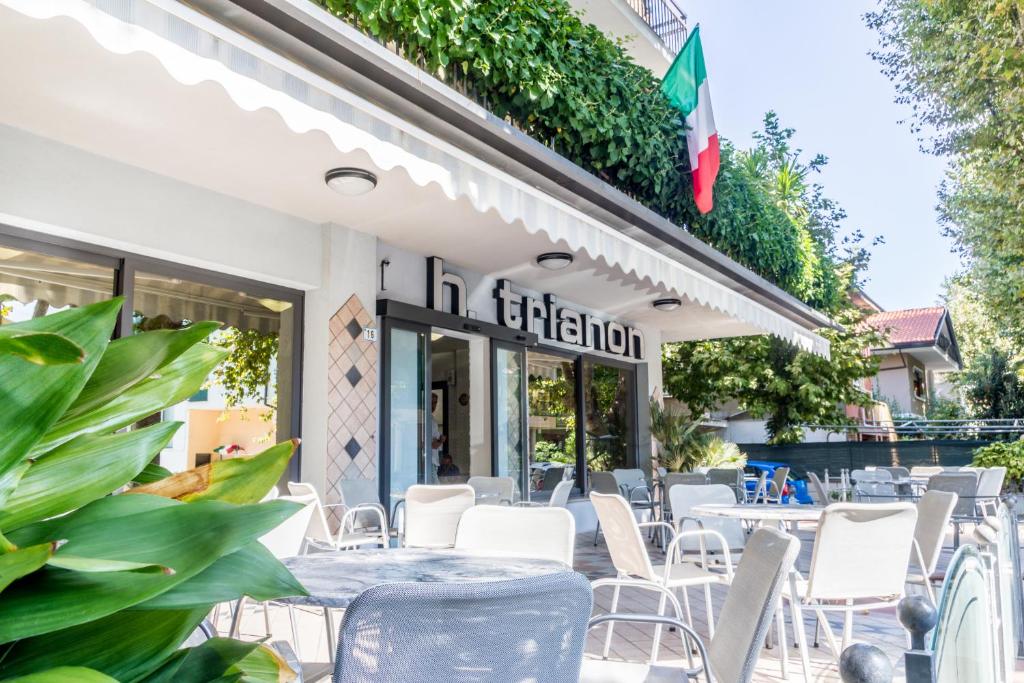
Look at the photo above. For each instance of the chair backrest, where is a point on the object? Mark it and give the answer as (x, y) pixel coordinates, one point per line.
(288, 538)
(925, 471)
(862, 551)
(779, 478)
(685, 479)
(817, 489)
(560, 496)
(604, 482)
(990, 482)
(933, 512)
(495, 490)
(728, 476)
(629, 478)
(862, 476)
(432, 514)
(531, 629)
(552, 476)
(750, 604)
(548, 533)
(874, 491)
(897, 472)
(621, 533)
(963, 484)
(319, 529)
(355, 492)
(684, 498)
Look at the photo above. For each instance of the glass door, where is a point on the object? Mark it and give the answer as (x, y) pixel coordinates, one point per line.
(508, 363)
(404, 425)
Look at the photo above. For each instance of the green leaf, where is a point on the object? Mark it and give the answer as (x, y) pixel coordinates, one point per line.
(23, 561)
(151, 473)
(35, 396)
(251, 571)
(130, 360)
(81, 471)
(126, 645)
(184, 537)
(235, 480)
(263, 665)
(64, 674)
(206, 662)
(9, 480)
(91, 564)
(41, 348)
(174, 383)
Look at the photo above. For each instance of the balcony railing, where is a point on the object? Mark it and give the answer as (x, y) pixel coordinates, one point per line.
(667, 21)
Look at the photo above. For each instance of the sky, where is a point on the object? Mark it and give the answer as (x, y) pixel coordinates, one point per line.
(808, 61)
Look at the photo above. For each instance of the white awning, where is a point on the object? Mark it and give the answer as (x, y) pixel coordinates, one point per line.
(197, 52)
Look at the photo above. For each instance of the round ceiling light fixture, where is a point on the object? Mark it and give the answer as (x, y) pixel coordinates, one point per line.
(554, 260)
(667, 305)
(350, 182)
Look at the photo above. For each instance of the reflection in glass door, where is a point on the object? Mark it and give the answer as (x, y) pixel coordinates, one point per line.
(405, 401)
(509, 414)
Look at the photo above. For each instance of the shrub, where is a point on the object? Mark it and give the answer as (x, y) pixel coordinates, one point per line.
(99, 587)
(1008, 454)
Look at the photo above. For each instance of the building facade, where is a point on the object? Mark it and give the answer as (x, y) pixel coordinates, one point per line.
(414, 288)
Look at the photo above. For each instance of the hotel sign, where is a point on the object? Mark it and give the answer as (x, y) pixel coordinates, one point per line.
(541, 316)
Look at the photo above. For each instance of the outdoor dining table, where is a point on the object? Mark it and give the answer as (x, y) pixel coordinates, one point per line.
(760, 512)
(334, 579)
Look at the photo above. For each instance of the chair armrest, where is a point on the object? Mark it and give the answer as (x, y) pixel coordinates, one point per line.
(528, 504)
(643, 489)
(349, 520)
(673, 548)
(685, 633)
(322, 546)
(666, 525)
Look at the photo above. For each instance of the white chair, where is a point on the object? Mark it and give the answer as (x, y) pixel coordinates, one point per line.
(965, 485)
(682, 499)
(544, 532)
(494, 490)
(746, 617)
(776, 486)
(925, 471)
(633, 564)
(559, 496)
(874, 492)
(859, 563)
(990, 487)
(760, 492)
(934, 510)
(287, 539)
(432, 514)
(818, 489)
(319, 536)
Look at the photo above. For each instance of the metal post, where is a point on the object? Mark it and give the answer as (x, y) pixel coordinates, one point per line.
(1018, 590)
(919, 617)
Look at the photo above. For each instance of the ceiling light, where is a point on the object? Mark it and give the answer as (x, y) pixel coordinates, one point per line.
(350, 181)
(554, 260)
(667, 305)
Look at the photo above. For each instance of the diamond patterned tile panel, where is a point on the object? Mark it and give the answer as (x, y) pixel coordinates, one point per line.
(352, 400)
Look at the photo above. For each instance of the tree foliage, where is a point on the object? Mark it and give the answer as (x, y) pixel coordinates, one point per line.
(960, 67)
(566, 84)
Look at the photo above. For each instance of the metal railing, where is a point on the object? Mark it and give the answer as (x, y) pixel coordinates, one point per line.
(920, 427)
(666, 20)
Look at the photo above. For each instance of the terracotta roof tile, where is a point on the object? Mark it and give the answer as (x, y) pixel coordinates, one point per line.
(909, 326)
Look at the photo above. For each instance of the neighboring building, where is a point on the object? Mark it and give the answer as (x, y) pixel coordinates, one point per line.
(653, 30)
(263, 164)
(921, 349)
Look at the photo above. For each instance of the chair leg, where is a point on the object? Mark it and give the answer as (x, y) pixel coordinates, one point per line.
(848, 624)
(796, 614)
(266, 619)
(830, 637)
(710, 610)
(329, 623)
(657, 630)
(780, 627)
(611, 624)
(597, 530)
(236, 618)
(295, 632)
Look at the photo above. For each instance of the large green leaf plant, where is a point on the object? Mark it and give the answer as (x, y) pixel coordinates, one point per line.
(101, 578)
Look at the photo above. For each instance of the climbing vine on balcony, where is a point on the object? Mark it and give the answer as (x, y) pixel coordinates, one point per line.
(563, 82)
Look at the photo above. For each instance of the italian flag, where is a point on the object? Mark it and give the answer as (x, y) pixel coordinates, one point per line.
(686, 86)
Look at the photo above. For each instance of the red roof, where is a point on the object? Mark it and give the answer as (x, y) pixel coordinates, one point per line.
(909, 326)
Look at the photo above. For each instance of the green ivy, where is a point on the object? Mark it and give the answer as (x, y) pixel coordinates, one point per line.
(536, 64)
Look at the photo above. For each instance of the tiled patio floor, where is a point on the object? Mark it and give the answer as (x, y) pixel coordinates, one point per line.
(633, 642)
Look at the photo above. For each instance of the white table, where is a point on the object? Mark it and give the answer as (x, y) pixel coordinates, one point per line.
(760, 512)
(335, 579)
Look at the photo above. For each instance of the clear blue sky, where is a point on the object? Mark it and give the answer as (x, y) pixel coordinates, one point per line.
(808, 60)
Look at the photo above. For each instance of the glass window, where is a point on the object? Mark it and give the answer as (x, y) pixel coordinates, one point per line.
(407, 414)
(246, 405)
(508, 407)
(610, 405)
(34, 284)
(552, 410)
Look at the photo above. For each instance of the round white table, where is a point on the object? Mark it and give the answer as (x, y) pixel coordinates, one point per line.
(334, 579)
(760, 512)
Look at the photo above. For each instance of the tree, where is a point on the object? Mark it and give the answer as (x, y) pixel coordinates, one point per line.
(994, 386)
(960, 67)
(774, 381)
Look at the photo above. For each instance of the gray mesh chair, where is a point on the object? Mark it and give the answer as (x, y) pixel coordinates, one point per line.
(965, 486)
(525, 629)
(750, 605)
(729, 476)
